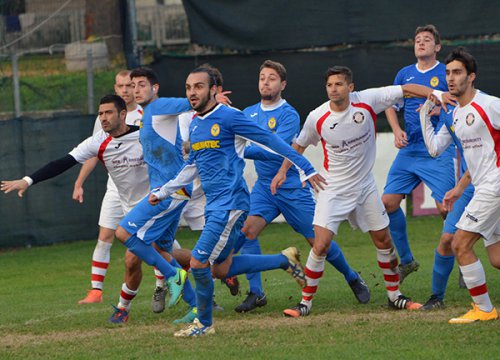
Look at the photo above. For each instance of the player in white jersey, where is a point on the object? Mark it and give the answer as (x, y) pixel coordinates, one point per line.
(345, 126)
(111, 209)
(476, 122)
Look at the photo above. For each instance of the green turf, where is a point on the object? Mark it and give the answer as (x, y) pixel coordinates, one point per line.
(39, 317)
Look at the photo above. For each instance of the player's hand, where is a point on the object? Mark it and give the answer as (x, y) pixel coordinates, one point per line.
(153, 200)
(450, 198)
(449, 99)
(278, 180)
(400, 139)
(222, 97)
(78, 193)
(20, 185)
(317, 181)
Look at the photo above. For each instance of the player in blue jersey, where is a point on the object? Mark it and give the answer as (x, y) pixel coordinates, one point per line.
(218, 136)
(436, 143)
(413, 164)
(144, 224)
(294, 201)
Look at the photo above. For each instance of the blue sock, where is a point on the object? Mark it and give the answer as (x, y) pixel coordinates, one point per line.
(204, 294)
(149, 255)
(188, 294)
(443, 265)
(335, 256)
(254, 279)
(397, 227)
(244, 264)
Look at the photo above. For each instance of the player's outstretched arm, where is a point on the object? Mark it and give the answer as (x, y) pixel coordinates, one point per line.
(20, 185)
(400, 137)
(87, 168)
(438, 142)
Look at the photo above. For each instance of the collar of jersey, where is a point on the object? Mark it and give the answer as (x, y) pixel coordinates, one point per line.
(272, 107)
(204, 115)
(429, 69)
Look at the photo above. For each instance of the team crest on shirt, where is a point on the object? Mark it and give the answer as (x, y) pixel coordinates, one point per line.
(434, 81)
(358, 117)
(271, 123)
(215, 130)
(469, 120)
(140, 124)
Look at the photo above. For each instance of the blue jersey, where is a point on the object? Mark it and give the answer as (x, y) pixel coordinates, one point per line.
(284, 121)
(434, 78)
(218, 141)
(160, 138)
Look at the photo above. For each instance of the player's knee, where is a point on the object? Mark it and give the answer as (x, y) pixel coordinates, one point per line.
(391, 202)
(444, 247)
(459, 246)
(122, 234)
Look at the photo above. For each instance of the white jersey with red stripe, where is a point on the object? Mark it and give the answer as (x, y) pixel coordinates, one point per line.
(477, 125)
(124, 160)
(348, 137)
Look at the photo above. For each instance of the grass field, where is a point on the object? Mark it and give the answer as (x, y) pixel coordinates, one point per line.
(40, 318)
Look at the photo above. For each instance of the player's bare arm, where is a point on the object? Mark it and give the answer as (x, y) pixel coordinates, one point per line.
(400, 137)
(454, 194)
(87, 168)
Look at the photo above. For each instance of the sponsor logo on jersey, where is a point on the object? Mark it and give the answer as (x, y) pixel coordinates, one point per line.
(117, 146)
(132, 224)
(333, 126)
(469, 120)
(253, 115)
(201, 252)
(271, 123)
(208, 144)
(358, 117)
(410, 78)
(215, 130)
(434, 81)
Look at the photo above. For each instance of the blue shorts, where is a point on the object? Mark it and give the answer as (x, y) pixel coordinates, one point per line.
(154, 223)
(222, 229)
(297, 206)
(457, 211)
(407, 172)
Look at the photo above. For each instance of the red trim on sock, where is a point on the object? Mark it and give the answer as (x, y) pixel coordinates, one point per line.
(307, 298)
(310, 289)
(99, 264)
(391, 278)
(126, 296)
(313, 274)
(97, 277)
(392, 288)
(478, 290)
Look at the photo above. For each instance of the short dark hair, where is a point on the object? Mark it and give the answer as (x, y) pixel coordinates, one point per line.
(340, 70)
(431, 29)
(276, 66)
(116, 100)
(219, 80)
(209, 71)
(145, 72)
(461, 54)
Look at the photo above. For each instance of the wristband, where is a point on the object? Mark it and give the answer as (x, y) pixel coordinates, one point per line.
(28, 180)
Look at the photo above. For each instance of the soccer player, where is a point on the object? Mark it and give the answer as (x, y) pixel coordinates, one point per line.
(345, 125)
(413, 164)
(218, 135)
(476, 121)
(111, 208)
(436, 143)
(145, 224)
(295, 202)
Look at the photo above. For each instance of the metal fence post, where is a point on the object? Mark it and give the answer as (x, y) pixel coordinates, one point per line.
(15, 82)
(90, 82)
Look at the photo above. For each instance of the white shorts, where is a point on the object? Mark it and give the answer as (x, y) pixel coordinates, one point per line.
(194, 213)
(482, 216)
(111, 207)
(363, 210)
